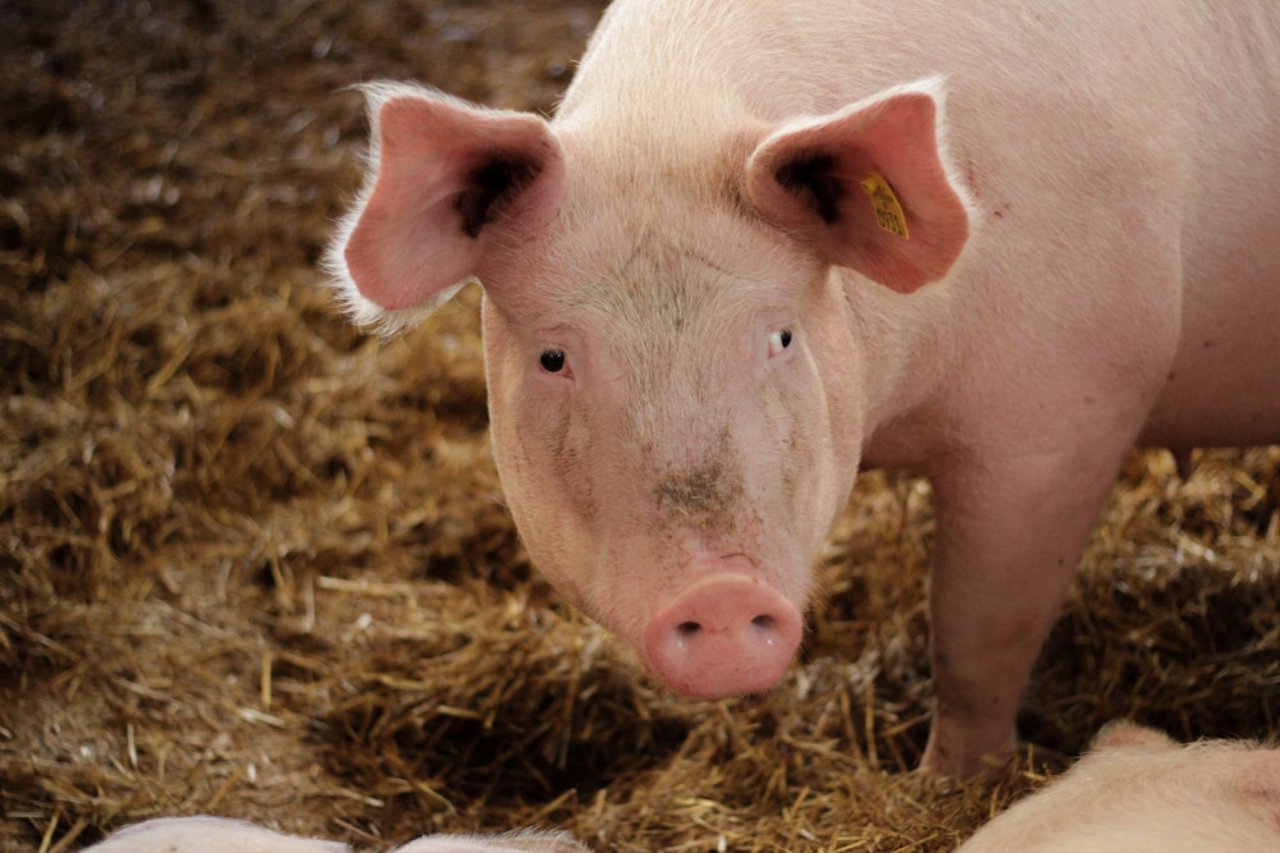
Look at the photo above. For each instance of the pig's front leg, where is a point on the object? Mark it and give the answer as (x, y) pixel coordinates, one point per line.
(1010, 534)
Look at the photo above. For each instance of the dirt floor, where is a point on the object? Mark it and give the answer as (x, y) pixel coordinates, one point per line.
(257, 564)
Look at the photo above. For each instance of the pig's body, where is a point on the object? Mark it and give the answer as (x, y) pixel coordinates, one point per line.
(203, 834)
(1085, 253)
(1138, 790)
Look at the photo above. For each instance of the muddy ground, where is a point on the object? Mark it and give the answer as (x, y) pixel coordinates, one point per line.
(255, 563)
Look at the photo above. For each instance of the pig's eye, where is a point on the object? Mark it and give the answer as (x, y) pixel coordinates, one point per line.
(779, 340)
(552, 360)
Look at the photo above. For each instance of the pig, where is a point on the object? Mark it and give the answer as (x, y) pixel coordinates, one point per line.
(1140, 790)
(523, 841)
(763, 244)
(202, 834)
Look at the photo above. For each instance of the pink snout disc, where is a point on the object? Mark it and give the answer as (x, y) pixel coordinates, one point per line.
(725, 635)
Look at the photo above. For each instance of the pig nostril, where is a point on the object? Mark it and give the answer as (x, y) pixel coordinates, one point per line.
(723, 635)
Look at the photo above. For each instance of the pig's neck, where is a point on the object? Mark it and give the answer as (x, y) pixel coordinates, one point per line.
(904, 358)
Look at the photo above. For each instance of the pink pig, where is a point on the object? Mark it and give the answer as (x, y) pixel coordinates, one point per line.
(763, 243)
(1139, 790)
(202, 834)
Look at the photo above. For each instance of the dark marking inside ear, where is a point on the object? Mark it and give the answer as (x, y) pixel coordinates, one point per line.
(813, 176)
(498, 180)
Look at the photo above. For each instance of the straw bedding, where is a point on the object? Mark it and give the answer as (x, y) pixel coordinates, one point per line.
(254, 563)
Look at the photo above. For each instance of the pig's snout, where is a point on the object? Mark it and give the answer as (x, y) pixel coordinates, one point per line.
(725, 635)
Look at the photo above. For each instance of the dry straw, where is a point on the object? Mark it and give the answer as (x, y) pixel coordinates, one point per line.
(253, 564)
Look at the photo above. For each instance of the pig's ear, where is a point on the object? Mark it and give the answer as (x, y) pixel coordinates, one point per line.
(448, 180)
(539, 841)
(866, 187)
(1127, 735)
(524, 840)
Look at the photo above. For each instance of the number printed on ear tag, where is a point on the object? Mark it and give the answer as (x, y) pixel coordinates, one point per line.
(888, 210)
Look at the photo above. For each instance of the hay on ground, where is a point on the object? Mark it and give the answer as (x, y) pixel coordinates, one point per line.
(254, 564)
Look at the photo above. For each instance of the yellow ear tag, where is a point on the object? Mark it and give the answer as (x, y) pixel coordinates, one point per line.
(888, 210)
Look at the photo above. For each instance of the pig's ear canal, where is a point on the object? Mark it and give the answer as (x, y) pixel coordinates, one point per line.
(449, 178)
(866, 188)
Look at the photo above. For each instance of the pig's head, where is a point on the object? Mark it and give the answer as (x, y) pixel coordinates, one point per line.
(676, 379)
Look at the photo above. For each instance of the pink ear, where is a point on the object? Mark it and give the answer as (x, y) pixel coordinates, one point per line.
(448, 176)
(866, 187)
(1124, 734)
